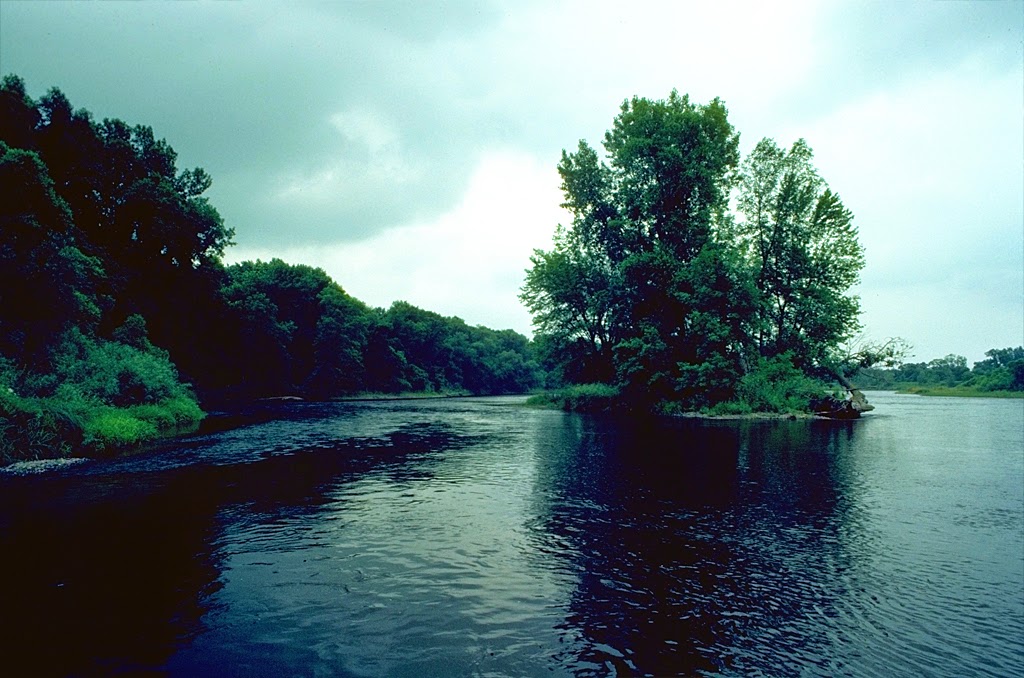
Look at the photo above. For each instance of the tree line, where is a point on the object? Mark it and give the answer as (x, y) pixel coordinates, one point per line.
(118, 315)
(1002, 370)
(692, 279)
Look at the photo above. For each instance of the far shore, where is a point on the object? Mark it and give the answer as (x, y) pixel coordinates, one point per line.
(364, 397)
(957, 392)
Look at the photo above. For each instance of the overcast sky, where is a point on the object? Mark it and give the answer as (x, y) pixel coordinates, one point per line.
(409, 148)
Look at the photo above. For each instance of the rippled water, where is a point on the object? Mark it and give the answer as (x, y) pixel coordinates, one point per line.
(479, 537)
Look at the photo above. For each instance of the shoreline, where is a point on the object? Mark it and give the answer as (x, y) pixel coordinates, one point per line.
(746, 416)
(761, 416)
(956, 392)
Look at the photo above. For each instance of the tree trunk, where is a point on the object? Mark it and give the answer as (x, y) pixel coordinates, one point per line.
(857, 402)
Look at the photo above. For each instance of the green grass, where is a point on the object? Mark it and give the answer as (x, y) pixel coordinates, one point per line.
(957, 391)
(579, 398)
(119, 428)
(47, 428)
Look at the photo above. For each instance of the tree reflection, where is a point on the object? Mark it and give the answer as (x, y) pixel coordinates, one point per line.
(697, 546)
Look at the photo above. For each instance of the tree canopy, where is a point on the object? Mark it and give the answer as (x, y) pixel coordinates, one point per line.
(117, 315)
(659, 288)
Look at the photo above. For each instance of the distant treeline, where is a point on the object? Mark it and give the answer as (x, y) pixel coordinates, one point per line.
(117, 315)
(1001, 371)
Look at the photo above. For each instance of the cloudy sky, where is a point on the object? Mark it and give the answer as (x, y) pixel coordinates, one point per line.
(409, 148)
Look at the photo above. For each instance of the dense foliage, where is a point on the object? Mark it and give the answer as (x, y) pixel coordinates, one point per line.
(117, 315)
(659, 289)
(1001, 371)
(292, 330)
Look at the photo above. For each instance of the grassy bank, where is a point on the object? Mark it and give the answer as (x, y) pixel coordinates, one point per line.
(579, 398)
(49, 428)
(958, 392)
(92, 396)
(775, 387)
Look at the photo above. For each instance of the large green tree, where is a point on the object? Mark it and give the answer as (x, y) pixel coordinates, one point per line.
(657, 287)
(639, 284)
(47, 284)
(802, 246)
(159, 240)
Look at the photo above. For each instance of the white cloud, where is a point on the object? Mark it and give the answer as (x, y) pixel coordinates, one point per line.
(469, 262)
(366, 129)
(359, 136)
(370, 157)
(933, 174)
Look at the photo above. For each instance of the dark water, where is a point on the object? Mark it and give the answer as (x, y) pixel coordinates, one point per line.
(477, 537)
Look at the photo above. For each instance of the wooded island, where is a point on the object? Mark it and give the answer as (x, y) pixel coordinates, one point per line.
(691, 280)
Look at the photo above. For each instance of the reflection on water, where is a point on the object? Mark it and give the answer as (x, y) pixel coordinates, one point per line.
(477, 537)
(677, 572)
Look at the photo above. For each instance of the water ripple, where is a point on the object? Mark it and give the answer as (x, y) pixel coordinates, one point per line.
(477, 537)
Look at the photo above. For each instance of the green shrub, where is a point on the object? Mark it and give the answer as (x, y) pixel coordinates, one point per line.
(729, 408)
(775, 385)
(115, 429)
(580, 398)
(114, 373)
(98, 395)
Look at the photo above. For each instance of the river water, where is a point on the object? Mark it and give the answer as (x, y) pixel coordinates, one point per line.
(479, 537)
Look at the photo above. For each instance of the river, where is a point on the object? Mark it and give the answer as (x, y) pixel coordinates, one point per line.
(473, 537)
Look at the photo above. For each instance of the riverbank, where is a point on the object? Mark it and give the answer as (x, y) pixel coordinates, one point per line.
(33, 428)
(410, 395)
(601, 398)
(957, 392)
(41, 429)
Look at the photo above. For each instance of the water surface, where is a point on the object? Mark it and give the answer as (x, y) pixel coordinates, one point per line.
(479, 537)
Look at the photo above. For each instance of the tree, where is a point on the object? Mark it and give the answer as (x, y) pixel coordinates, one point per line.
(570, 291)
(674, 297)
(1001, 370)
(671, 164)
(802, 246)
(18, 114)
(46, 283)
(113, 294)
(639, 289)
(278, 309)
(339, 344)
(999, 357)
(949, 370)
